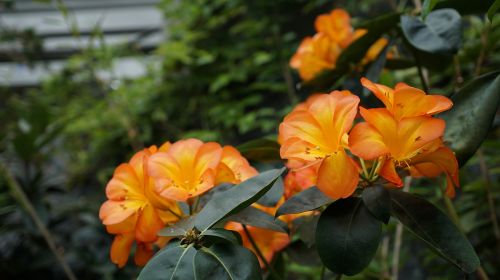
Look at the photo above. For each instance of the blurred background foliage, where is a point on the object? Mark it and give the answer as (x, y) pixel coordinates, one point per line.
(222, 74)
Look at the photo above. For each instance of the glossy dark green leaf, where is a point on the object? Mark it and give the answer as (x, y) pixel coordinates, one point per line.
(178, 229)
(469, 120)
(271, 198)
(440, 33)
(306, 228)
(260, 150)
(378, 201)
(236, 198)
(432, 226)
(347, 236)
(215, 235)
(172, 262)
(252, 216)
(307, 200)
(226, 261)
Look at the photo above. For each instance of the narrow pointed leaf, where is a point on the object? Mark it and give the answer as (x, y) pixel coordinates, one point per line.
(432, 226)
(347, 236)
(226, 261)
(236, 198)
(378, 201)
(469, 120)
(271, 198)
(307, 200)
(178, 229)
(252, 216)
(216, 235)
(174, 262)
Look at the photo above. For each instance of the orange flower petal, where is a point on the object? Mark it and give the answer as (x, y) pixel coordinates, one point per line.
(207, 157)
(124, 183)
(338, 175)
(388, 171)
(366, 142)
(414, 134)
(148, 224)
(120, 249)
(127, 225)
(337, 25)
(115, 212)
(224, 174)
(383, 93)
(413, 102)
(177, 194)
(434, 163)
(237, 164)
(143, 253)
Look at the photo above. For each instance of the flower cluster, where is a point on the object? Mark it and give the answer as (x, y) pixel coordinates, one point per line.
(317, 140)
(321, 51)
(143, 194)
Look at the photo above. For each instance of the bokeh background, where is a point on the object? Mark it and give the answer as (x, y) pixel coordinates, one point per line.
(85, 83)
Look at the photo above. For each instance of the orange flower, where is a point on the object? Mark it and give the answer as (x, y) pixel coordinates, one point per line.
(315, 55)
(337, 26)
(405, 135)
(406, 101)
(233, 168)
(134, 211)
(269, 242)
(317, 134)
(186, 170)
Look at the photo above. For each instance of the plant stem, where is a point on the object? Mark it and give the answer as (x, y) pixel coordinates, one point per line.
(420, 70)
(259, 253)
(398, 238)
(18, 193)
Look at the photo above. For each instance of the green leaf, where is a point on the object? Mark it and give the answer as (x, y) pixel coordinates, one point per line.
(252, 216)
(428, 6)
(347, 236)
(236, 198)
(440, 33)
(172, 262)
(469, 120)
(306, 228)
(307, 200)
(178, 229)
(378, 201)
(215, 235)
(226, 261)
(493, 10)
(272, 197)
(260, 150)
(432, 226)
